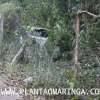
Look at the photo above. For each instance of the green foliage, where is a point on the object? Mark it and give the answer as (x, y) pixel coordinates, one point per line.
(7, 7)
(11, 23)
(71, 79)
(57, 16)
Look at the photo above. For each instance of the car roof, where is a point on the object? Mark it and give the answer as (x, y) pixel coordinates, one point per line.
(39, 28)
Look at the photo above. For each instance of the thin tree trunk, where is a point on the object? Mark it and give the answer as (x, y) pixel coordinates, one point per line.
(76, 67)
(77, 40)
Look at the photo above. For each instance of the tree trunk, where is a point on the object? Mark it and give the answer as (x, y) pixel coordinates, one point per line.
(77, 39)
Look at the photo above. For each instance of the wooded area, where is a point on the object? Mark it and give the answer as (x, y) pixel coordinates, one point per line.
(50, 44)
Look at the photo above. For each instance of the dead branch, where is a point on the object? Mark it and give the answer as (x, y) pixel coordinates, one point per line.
(17, 55)
(89, 13)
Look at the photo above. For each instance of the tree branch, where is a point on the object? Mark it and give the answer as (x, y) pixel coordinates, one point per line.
(89, 13)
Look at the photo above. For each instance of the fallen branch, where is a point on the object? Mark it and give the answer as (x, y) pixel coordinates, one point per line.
(17, 55)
